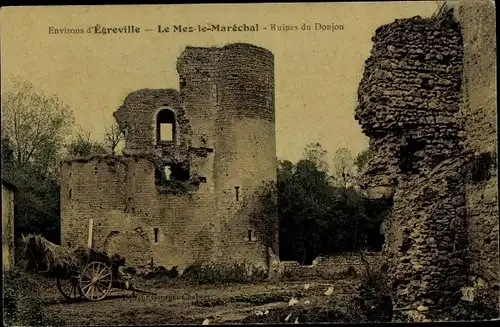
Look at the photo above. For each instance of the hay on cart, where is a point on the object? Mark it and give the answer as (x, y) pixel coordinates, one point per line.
(43, 256)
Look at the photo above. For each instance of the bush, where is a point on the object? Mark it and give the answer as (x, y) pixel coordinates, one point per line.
(482, 305)
(473, 311)
(21, 306)
(161, 271)
(221, 273)
(374, 298)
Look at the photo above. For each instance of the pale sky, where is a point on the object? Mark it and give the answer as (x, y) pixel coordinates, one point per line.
(316, 72)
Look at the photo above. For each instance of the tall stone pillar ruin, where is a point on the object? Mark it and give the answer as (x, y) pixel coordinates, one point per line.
(411, 105)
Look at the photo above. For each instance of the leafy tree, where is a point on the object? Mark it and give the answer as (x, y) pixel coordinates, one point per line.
(37, 205)
(264, 217)
(36, 125)
(285, 170)
(306, 205)
(362, 159)
(34, 130)
(36, 202)
(315, 215)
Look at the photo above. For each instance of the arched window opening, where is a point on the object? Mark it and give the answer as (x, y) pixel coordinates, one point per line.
(165, 126)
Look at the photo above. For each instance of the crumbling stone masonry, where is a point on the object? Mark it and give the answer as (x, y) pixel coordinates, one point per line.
(193, 158)
(411, 105)
(479, 109)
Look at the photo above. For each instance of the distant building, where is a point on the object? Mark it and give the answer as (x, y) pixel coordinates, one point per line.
(8, 190)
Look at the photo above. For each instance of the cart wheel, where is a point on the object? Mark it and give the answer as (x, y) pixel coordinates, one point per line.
(69, 287)
(95, 281)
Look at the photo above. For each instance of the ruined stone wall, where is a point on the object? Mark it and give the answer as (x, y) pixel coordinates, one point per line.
(479, 109)
(333, 266)
(126, 208)
(224, 137)
(138, 114)
(409, 101)
(87, 190)
(197, 68)
(427, 101)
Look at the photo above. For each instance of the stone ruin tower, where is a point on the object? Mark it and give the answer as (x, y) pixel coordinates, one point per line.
(427, 102)
(184, 187)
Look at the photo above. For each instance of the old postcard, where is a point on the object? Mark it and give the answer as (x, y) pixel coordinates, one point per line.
(249, 163)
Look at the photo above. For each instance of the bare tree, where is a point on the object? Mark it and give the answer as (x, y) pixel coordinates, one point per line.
(441, 7)
(113, 136)
(343, 167)
(315, 153)
(36, 126)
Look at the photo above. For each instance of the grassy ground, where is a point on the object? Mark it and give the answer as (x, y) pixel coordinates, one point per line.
(184, 303)
(31, 300)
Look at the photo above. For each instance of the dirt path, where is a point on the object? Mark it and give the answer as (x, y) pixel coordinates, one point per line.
(174, 304)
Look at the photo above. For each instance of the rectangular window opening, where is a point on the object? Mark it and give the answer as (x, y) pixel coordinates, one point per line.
(237, 188)
(166, 132)
(156, 235)
(165, 175)
(251, 236)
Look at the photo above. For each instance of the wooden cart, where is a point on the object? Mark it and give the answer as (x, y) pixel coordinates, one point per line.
(80, 272)
(93, 282)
